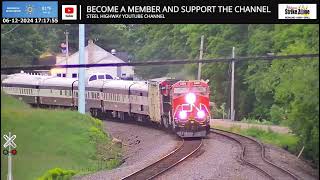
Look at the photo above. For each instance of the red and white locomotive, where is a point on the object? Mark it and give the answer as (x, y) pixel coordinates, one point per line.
(182, 106)
(190, 106)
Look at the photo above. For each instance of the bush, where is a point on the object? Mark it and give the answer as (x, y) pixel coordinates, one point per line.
(219, 112)
(96, 122)
(278, 114)
(96, 135)
(57, 174)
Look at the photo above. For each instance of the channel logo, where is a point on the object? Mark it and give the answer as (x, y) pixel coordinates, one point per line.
(297, 11)
(69, 12)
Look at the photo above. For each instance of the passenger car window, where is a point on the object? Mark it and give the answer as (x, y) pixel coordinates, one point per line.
(100, 76)
(92, 78)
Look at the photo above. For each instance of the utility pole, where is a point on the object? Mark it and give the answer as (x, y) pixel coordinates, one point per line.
(232, 85)
(81, 70)
(200, 57)
(67, 44)
(9, 162)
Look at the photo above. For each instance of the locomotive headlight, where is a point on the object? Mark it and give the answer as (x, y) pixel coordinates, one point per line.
(201, 114)
(190, 98)
(183, 115)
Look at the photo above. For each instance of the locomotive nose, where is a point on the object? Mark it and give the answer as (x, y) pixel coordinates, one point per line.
(190, 98)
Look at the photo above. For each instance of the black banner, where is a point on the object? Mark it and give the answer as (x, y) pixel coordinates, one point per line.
(174, 11)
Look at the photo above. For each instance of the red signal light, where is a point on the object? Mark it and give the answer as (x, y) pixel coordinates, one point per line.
(13, 152)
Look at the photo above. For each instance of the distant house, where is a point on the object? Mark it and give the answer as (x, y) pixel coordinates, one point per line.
(93, 55)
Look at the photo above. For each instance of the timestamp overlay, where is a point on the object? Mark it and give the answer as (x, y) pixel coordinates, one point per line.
(29, 12)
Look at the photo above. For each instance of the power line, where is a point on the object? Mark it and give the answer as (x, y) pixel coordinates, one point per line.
(166, 62)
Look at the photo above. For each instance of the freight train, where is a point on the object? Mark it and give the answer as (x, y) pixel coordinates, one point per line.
(182, 106)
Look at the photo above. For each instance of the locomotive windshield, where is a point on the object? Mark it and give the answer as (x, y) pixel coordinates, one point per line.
(199, 89)
(184, 90)
(181, 90)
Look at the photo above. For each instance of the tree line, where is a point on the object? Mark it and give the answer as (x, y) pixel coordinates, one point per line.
(281, 92)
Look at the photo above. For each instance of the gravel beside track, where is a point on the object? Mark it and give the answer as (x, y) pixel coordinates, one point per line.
(254, 155)
(289, 161)
(218, 159)
(142, 147)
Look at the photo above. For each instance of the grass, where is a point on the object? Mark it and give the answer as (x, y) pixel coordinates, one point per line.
(255, 121)
(285, 141)
(48, 139)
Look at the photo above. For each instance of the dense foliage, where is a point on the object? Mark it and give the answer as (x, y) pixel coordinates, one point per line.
(282, 92)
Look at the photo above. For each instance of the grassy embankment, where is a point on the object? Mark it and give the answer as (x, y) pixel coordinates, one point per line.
(285, 141)
(48, 139)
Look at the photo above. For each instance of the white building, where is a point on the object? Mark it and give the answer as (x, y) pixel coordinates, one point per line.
(93, 55)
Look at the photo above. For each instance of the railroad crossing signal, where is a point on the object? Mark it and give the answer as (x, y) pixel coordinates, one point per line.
(9, 141)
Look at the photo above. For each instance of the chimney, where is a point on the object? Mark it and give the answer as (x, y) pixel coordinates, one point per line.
(90, 51)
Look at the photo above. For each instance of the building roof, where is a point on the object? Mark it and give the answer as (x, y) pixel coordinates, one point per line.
(123, 56)
(97, 55)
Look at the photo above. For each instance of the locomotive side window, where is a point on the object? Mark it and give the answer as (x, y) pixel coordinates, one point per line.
(61, 92)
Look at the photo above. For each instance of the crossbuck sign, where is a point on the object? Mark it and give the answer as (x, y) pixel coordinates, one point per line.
(9, 141)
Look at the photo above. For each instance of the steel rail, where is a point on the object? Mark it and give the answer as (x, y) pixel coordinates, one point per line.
(162, 160)
(262, 154)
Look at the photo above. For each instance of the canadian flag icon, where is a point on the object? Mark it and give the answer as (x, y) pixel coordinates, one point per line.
(68, 10)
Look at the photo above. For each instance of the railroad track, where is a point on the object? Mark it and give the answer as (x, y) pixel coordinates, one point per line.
(186, 149)
(253, 154)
